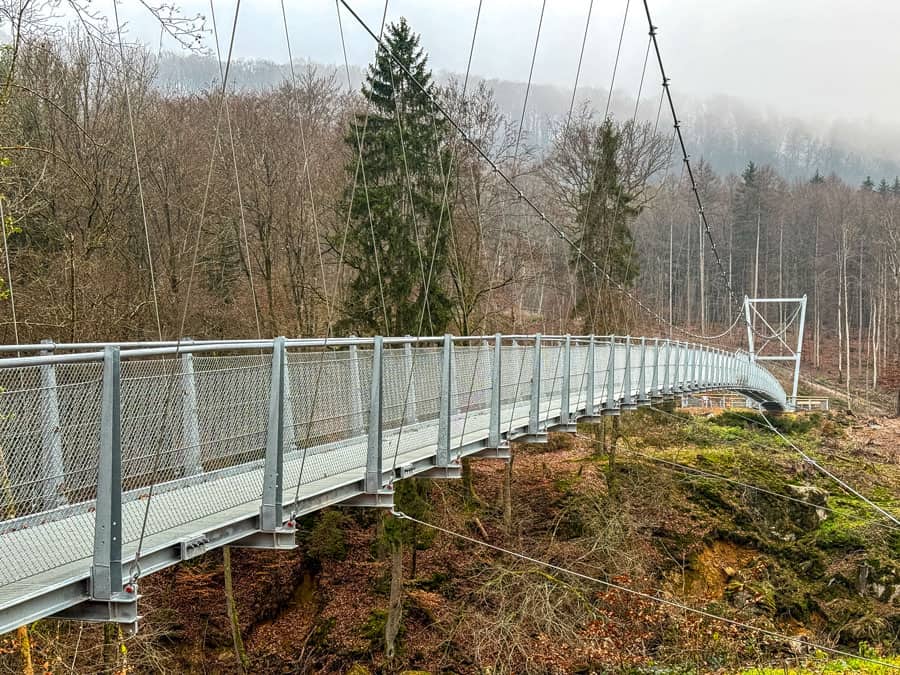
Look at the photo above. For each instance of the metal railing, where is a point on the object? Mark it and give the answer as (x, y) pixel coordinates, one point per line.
(258, 431)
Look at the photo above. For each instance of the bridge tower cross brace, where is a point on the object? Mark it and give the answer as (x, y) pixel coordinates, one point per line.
(794, 352)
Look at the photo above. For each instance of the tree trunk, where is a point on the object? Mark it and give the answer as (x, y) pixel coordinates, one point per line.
(25, 650)
(468, 483)
(507, 495)
(239, 651)
(395, 606)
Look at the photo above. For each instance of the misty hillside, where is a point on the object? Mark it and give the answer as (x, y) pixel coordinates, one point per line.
(726, 131)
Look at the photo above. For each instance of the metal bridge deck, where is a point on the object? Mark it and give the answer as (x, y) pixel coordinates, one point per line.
(216, 434)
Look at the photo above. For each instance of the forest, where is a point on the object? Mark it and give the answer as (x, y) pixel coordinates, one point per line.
(254, 204)
(392, 202)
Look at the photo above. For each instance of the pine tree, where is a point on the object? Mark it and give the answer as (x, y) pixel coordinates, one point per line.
(817, 179)
(604, 209)
(397, 236)
(883, 187)
(868, 184)
(895, 188)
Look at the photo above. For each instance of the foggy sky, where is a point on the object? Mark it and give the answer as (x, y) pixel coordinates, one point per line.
(819, 60)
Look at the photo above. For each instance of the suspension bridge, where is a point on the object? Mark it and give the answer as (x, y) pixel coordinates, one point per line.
(122, 459)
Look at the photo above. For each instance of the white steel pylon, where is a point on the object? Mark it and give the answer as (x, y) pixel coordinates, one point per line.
(780, 337)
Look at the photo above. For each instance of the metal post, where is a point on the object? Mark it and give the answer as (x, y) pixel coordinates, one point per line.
(409, 414)
(694, 370)
(564, 404)
(356, 411)
(589, 409)
(627, 400)
(446, 403)
(496, 386)
(676, 373)
(667, 383)
(106, 571)
(190, 417)
(611, 406)
(799, 352)
(51, 438)
(654, 381)
(374, 451)
(643, 397)
(534, 407)
(271, 510)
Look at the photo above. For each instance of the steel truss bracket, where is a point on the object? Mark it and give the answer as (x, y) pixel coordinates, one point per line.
(564, 428)
(280, 539)
(121, 608)
(451, 471)
(383, 499)
(539, 437)
(500, 452)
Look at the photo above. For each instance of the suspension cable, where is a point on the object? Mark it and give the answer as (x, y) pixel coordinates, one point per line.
(760, 446)
(821, 469)
(9, 284)
(137, 169)
(647, 596)
(687, 160)
(136, 565)
(362, 164)
(336, 287)
(237, 178)
(519, 193)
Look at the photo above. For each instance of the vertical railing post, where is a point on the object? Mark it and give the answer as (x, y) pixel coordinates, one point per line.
(627, 399)
(356, 409)
(446, 403)
(564, 405)
(590, 395)
(375, 440)
(611, 406)
(496, 391)
(190, 416)
(409, 414)
(667, 381)
(106, 571)
(643, 396)
(676, 372)
(51, 438)
(534, 407)
(654, 380)
(694, 367)
(271, 509)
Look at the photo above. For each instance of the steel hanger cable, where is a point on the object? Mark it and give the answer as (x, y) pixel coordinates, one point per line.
(648, 596)
(519, 193)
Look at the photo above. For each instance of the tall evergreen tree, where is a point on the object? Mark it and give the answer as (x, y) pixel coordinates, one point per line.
(604, 209)
(868, 184)
(397, 237)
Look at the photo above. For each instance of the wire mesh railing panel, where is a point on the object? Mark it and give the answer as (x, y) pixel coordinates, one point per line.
(601, 371)
(515, 390)
(23, 470)
(411, 386)
(152, 395)
(407, 374)
(472, 396)
(331, 438)
(578, 359)
(48, 477)
(232, 399)
(552, 377)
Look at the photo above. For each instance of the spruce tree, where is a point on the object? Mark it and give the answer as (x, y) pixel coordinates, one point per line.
(397, 234)
(868, 184)
(604, 210)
